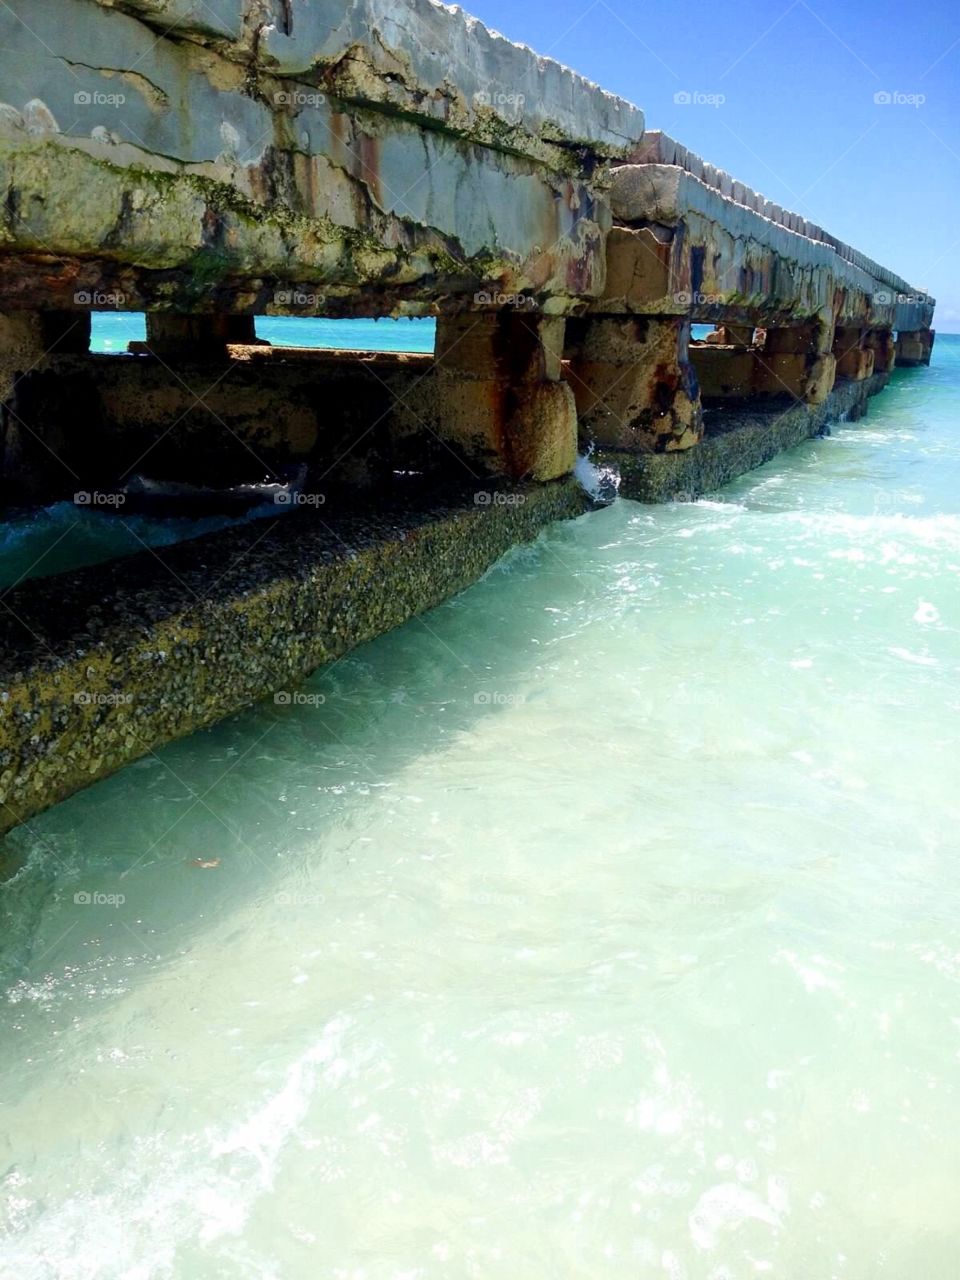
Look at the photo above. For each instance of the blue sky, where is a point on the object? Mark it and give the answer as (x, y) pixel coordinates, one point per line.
(798, 118)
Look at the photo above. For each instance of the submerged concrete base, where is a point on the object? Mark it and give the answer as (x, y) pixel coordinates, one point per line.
(101, 666)
(736, 441)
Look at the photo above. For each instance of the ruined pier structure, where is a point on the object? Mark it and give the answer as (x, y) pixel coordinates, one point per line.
(211, 162)
(208, 163)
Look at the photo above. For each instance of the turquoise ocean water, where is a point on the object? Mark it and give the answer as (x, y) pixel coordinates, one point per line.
(113, 330)
(602, 922)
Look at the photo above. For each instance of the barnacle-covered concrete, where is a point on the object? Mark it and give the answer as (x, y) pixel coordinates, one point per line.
(736, 440)
(101, 666)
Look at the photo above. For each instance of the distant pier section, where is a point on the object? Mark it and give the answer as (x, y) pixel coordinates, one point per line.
(209, 163)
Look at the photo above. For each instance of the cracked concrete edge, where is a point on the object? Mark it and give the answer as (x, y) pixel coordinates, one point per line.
(428, 59)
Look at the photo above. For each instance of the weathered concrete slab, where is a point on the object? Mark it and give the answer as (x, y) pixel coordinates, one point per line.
(417, 155)
(658, 148)
(435, 60)
(430, 60)
(730, 259)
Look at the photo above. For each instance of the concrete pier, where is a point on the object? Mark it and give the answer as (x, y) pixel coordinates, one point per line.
(209, 164)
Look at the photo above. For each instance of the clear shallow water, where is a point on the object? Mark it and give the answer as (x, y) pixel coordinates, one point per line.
(604, 922)
(113, 330)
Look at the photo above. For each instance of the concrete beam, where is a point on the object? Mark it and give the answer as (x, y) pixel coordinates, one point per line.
(737, 373)
(855, 358)
(208, 177)
(914, 307)
(634, 383)
(192, 336)
(884, 347)
(752, 438)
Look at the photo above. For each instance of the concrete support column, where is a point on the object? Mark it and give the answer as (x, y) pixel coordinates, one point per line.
(799, 361)
(634, 384)
(170, 335)
(496, 394)
(914, 348)
(21, 349)
(27, 338)
(884, 347)
(855, 358)
(35, 467)
(793, 362)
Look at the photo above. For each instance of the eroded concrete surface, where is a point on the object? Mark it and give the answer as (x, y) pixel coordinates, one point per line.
(377, 154)
(684, 247)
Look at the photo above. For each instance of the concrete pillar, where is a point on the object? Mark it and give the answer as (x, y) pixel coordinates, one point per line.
(855, 359)
(914, 348)
(793, 362)
(171, 335)
(884, 347)
(635, 386)
(21, 348)
(33, 469)
(28, 337)
(798, 361)
(495, 394)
